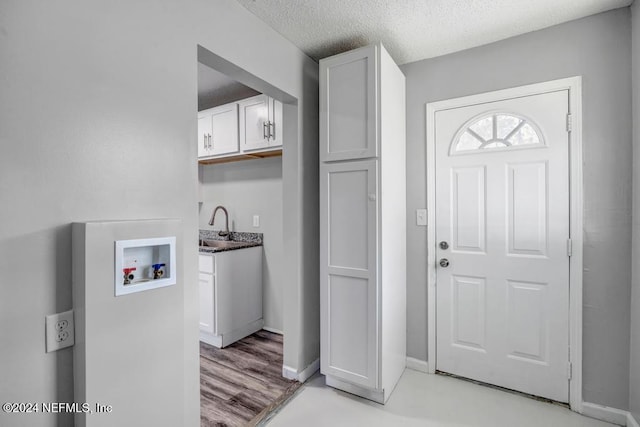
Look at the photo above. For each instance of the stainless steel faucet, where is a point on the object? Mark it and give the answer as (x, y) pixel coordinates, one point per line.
(224, 233)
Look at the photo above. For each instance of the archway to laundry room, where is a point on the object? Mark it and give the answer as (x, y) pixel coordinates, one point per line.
(246, 129)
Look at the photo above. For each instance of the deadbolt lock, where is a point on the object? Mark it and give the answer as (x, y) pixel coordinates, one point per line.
(444, 245)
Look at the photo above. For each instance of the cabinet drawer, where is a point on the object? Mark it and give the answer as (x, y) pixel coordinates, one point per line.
(207, 264)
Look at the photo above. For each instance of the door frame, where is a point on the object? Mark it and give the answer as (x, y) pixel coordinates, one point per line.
(574, 86)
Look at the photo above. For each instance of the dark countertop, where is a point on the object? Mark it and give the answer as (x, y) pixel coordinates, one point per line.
(210, 250)
(242, 240)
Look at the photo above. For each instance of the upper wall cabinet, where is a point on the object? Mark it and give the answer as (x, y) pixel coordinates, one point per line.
(348, 105)
(218, 131)
(246, 129)
(260, 123)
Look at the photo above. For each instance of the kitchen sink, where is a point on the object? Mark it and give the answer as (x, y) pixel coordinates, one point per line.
(223, 244)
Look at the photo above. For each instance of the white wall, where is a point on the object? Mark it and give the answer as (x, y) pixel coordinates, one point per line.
(121, 343)
(598, 48)
(98, 121)
(634, 368)
(247, 188)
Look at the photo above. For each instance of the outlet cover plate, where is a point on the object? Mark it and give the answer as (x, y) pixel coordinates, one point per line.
(60, 331)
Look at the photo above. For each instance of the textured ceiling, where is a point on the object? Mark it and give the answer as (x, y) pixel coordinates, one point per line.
(414, 29)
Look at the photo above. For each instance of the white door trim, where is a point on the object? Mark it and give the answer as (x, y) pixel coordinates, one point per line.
(574, 85)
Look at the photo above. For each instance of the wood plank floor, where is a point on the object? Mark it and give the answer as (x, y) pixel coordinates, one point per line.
(242, 383)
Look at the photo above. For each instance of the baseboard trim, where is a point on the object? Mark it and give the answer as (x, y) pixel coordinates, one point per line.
(309, 371)
(605, 413)
(274, 330)
(289, 373)
(631, 421)
(418, 365)
(292, 374)
(214, 340)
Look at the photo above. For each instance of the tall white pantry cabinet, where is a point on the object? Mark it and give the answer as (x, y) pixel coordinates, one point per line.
(362, 222)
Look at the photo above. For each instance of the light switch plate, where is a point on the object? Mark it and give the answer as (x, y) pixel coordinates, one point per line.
(256, 220)
(59, 331)
(421, 217)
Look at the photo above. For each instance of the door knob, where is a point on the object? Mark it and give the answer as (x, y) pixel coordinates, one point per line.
(444, 262)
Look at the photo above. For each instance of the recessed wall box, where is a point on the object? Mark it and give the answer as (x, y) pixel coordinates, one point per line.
(137, 264)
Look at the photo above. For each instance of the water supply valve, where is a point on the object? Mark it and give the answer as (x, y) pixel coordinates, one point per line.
(128, 274)
(158, 270)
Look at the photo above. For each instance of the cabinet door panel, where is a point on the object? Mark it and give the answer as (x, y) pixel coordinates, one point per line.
(348, 292)
(348, 128)
(254, 118)
(224, 130)
(239, 290)
(207, 303)
(204, 133)
(275, 120)
(348, 327)
(348, 231)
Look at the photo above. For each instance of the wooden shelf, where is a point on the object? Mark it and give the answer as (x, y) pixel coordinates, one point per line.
(239, 157)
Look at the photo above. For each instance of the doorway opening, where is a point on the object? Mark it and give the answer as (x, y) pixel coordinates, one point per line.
(245, 125)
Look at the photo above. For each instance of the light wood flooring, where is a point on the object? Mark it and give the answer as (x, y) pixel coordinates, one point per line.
(242, 383)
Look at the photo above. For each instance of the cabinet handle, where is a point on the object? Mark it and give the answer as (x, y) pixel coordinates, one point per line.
(209, 140)
(272, 134)
(204, 141)
(265, 130)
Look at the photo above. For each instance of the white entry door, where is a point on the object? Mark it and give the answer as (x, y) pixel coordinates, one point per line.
(502, 255)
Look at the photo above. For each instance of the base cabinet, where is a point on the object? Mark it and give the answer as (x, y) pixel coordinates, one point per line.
(362, 223)
(230, 295)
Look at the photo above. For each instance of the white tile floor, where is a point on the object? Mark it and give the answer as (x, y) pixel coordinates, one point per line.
(427, 401)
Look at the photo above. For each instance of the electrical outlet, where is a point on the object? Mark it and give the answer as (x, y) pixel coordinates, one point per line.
(61, 336)
(59, 331)
(61, 325)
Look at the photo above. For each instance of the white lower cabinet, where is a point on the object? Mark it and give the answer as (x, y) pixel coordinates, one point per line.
(230, 295)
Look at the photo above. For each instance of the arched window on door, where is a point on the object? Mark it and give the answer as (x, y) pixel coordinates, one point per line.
(496, 131)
